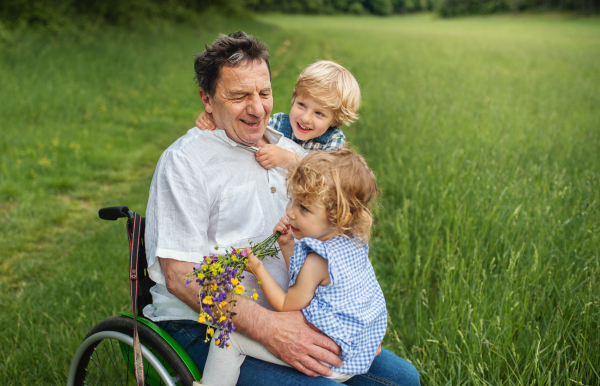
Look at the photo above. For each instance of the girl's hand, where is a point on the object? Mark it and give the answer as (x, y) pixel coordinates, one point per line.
(283, 227)
(254, 264)
(271, 156)
(205, 121)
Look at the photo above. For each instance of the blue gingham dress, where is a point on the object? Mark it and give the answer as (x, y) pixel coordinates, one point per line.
(351, 309)
(332, 139)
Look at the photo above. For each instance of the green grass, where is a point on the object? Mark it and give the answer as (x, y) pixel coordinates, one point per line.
(484, 134)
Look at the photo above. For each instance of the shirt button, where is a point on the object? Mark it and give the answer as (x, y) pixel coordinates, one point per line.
(273, 189)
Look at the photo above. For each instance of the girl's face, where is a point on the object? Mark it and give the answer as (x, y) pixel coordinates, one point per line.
(309, 118)
(309, 220)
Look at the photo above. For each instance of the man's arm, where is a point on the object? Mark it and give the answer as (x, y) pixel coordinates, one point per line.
(287, 335)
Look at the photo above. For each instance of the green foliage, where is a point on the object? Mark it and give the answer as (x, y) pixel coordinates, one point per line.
(58, 14)
(483, 134)
(449, 8)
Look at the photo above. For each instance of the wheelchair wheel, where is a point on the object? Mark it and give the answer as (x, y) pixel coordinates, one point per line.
(106, 357)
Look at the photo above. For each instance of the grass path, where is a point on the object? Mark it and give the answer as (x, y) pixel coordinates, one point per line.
(483, 132)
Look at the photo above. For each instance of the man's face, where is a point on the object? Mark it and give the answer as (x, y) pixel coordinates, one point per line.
(243, 102)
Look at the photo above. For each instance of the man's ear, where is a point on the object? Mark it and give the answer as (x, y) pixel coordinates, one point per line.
(206, 101)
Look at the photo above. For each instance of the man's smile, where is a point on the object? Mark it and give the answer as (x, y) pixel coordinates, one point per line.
(251, 123)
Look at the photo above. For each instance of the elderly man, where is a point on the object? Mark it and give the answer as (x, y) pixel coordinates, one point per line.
(208, 190)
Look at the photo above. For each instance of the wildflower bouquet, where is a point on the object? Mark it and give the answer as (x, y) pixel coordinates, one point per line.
(218, 277)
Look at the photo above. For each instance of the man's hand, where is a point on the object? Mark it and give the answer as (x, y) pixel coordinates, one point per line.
(270, 156)
(292, 339)
(205, 121)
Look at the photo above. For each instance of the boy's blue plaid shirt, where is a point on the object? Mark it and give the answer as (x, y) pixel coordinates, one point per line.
(333, 139)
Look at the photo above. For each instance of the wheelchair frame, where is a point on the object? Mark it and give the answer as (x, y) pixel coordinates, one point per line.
(106, 352)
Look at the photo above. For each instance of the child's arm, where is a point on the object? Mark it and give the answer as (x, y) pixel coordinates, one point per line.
(313, 273)
(270, 156)
(205, 121)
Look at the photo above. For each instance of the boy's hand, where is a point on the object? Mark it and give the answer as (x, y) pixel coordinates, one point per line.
(270, 156)
(254, 264)
(283, 227)
(205, 121)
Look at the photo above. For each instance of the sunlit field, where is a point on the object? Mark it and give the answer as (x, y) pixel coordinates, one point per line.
(484, 134)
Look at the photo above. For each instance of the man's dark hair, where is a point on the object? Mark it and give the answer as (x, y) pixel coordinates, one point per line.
(229, 50)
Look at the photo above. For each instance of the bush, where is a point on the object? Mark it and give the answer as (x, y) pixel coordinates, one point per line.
(59, 13)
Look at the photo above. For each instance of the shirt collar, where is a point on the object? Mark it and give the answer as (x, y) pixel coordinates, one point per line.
(272, 136)
(324, 138)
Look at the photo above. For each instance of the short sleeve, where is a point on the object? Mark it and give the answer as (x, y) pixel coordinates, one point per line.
(177, 213)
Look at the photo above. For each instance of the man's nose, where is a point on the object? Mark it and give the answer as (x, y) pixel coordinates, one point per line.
(255, 106)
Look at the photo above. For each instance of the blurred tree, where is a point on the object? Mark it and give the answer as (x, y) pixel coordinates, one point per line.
(57, 13)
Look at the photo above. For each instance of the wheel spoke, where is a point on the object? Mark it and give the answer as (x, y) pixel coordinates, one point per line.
(111, 359)
(91, 377)
(99, 365)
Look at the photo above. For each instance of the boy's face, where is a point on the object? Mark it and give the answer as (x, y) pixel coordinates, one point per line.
(309, 118)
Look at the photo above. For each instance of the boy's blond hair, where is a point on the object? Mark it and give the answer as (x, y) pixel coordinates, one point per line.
(342, 183)
(334, 86)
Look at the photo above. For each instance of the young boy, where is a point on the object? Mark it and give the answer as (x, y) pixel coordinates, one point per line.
(325, 96)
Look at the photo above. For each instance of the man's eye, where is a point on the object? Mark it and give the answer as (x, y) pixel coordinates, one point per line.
(303, 208)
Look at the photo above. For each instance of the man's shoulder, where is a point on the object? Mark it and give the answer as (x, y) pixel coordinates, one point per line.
(193, 143)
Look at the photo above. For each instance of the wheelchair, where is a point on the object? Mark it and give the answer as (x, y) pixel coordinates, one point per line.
(106, 355)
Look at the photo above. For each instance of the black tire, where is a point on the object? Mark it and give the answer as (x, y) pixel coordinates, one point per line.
(104, 360)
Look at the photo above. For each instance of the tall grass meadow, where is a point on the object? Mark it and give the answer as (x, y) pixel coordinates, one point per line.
(484, 135)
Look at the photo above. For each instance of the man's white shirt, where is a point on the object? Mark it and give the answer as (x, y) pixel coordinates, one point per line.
(209, 191)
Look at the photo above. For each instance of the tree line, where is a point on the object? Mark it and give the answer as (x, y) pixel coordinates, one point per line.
(445, 8)
(59, 12)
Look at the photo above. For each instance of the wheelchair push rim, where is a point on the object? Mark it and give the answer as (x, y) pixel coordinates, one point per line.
(114, 354)
(106, 357)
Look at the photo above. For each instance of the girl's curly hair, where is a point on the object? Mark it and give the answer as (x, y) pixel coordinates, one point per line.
(342, 182)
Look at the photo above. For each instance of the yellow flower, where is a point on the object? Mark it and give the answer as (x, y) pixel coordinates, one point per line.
(234, 258)
(222, 318)
(255, 296)
(202, 319)
(217, 342)
(228, 345)
(216, 248)
(207, 300)
(210, 331)
(237, 251)
(200, 275)
(234, 280)
(223, 303)
(204, 267)
(239, 289)
(213, 287)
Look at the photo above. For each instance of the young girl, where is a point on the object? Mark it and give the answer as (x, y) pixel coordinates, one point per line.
(324, 242)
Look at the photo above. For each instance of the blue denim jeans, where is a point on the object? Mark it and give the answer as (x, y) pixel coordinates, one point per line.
(387, 368)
